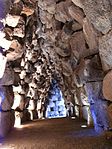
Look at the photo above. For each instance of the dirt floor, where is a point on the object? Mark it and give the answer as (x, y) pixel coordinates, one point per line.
(55, 134)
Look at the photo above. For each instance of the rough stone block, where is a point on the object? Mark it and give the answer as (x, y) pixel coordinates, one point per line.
(105, 50)
(62, 13)
(6, 98)
(99, 13)
(12, 21)
(6, 122)
(67, 70)
(49, 5)
(17, 53)
(46, 18)
(107, 86)
(19, 102)
(93, 69)
(76, 13)
(78, 3)
(8, 77)
(91, 36)
(78, 45)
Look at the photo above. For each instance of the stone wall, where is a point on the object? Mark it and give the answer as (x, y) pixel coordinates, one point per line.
(6, 78)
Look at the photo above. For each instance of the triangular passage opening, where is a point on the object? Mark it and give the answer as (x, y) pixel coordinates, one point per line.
(56, 106)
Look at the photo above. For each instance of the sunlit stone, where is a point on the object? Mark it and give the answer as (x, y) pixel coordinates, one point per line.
(17, 101)
(31, 105)
(12, 20)
(23, 74)
(4, 43)
(27, 11)
(3, 61)
(17, 89)
(39, 69)
(17, 120)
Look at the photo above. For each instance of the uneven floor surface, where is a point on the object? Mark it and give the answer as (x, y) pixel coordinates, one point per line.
(55, 134)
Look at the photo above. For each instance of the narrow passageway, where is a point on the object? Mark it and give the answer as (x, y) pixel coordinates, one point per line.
(55, 61)
(62, 133)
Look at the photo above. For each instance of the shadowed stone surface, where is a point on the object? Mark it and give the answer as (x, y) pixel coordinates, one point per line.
(6, 122)
(99, 13)
(105, 50)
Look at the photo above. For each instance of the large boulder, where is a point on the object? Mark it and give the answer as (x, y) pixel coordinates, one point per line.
(91, 36)
(107, 86)
(99, 13)
(105, 49)
(77, 43)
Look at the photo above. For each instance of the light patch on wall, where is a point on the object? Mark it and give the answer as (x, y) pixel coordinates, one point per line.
(17, 120)
(3, 61)
(12, 20)
(4, 43)
(84, 126)
(17, 101)
(17, 89)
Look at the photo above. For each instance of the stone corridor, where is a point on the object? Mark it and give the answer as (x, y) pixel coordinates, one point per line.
(55, 61)
(63, 133)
